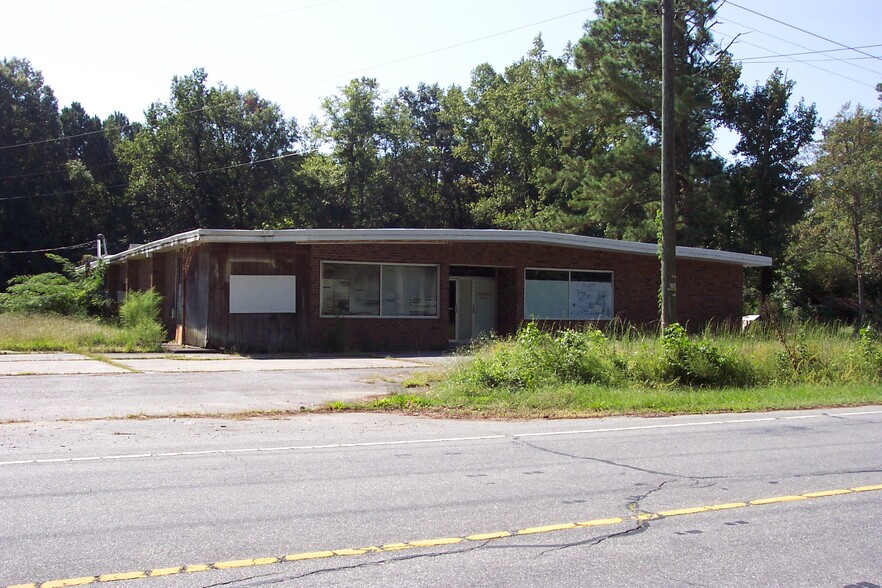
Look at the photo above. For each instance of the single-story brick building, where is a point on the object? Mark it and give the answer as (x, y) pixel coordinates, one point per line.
(417, 289)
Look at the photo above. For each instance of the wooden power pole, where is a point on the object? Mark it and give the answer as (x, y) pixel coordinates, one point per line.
(669, 208)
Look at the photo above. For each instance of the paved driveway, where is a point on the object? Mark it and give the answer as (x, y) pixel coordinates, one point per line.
(59, 386)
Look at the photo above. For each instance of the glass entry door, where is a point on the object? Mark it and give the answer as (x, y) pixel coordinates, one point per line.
(472, 307)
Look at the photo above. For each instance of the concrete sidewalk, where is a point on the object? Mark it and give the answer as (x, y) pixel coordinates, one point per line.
(34, 364)
(21, 364)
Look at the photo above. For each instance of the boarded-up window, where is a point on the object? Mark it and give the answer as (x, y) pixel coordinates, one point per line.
(379, 290)
(263, 294)
(568, 295)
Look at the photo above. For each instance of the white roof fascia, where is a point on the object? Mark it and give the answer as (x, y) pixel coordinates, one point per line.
(165, 244)
(433, 236)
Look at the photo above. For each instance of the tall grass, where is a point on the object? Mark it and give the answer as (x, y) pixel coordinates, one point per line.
(138, 329)
(765, 356)
(21, 332)
(626, 370)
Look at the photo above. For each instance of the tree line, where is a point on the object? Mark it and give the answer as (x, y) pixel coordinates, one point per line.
(564, 143)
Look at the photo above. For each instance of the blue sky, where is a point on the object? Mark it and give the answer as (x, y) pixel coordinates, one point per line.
(121, 55)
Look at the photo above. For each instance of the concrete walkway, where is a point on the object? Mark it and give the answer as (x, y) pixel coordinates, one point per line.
(21, 364)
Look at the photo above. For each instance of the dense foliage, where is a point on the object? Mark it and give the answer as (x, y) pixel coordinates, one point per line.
(74, 292)
(565, 143)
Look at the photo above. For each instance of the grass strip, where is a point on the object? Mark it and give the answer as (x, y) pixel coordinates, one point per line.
(569, 401)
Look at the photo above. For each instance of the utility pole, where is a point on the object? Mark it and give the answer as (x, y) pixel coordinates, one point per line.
(668, 243)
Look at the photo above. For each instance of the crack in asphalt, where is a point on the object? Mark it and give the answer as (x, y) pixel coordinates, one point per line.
(616, 464)
(634, 505)
(250, 581)
(597, 540)
(230, 582)
(640, 527)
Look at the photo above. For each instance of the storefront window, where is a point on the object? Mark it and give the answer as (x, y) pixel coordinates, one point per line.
(568, 295)
(387, 290)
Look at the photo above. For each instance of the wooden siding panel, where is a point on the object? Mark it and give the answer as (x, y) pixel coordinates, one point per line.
(263, 332)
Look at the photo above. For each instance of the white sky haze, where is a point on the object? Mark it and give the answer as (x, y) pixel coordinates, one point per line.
(121, 55)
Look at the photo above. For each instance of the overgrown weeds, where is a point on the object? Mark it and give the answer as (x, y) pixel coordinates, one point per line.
(625, 371)
(796, 354)
(139, 318)
(70, 311)
(53, 332)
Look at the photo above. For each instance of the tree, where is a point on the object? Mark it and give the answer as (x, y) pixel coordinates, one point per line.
(770, 188)
(610, 102)
(845, 221)
(95, 175)
(32, 168)
(518, 146)
(211, 157)
(353, 125)
(423, 156)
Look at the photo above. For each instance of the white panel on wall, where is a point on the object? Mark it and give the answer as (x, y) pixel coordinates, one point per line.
(263, 294)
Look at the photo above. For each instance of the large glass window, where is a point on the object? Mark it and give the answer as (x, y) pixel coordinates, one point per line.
(568, 295)
(367, 289)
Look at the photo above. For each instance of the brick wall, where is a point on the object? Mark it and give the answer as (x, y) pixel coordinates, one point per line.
(707, 291)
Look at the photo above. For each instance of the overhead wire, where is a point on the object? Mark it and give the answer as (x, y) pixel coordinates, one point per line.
(793, 59)
(423, 54)
(800, 46)
(60, 170)
(823, 51)
(51, 249)
(807, 61)
(787, 24)
(188, 174)
(317, 81)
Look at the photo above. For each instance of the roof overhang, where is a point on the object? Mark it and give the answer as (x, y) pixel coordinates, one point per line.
(427, 236)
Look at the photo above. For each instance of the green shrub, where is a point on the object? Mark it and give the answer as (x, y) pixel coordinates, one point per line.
(869, 353)
(77, 291)
(139, 317)
(698, 362)
(48, 293)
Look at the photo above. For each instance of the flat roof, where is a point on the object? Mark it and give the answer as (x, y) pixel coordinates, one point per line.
(306, 236)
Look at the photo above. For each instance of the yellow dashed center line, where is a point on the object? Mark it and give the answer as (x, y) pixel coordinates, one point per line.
(425, 543)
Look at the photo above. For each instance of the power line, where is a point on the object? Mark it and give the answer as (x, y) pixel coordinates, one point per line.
(806, 61)
(811, 65)
(440, 49)
(352, 72)
(51, 194)
(61, 169)
(235, 165)
(786, 24)
(874, 72)
(190, 173)
(824, 51)
(265, 16)
(80, 27)
(51, 249)
(65, 138)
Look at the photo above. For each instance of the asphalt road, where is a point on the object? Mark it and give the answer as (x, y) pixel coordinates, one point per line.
(378, 500)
